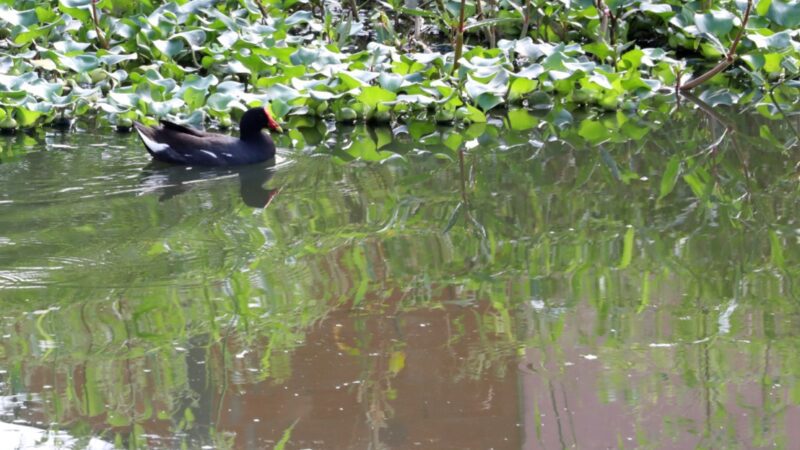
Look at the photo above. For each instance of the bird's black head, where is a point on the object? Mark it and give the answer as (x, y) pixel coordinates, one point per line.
(255, 120)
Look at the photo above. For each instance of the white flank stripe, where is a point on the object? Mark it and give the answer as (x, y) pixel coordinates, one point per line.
(154, 146)
(209, 153)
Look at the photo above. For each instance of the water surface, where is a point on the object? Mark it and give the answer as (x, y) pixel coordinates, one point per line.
(524, 293)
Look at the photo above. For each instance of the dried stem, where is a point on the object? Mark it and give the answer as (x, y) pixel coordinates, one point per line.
(729, 58)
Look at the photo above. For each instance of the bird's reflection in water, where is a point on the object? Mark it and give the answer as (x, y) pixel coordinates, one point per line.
(169, 180)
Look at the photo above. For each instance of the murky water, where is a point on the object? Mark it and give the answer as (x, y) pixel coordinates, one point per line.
(518, 295)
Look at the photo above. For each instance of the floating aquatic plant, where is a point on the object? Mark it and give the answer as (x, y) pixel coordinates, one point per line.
(201, 61)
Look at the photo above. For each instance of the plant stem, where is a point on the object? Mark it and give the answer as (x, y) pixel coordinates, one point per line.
(527, 19)
(354, 7)
(96, 21)
(602, 12)
(728, 60)
(613, 28)
(263, 9)
(491, 30)
(459, 37)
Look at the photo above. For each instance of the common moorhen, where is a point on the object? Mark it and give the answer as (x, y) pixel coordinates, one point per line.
(177, 144)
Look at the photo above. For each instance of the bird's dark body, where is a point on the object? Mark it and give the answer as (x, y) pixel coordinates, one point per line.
(177, 144)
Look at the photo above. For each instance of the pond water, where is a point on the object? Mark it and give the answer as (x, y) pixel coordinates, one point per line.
(525, 293)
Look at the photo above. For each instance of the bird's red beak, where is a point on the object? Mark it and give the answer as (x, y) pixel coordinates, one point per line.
(271, 123)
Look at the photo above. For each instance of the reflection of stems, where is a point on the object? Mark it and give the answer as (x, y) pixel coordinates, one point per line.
(569, 415)
(96, 20)
(708, 109)
(555, 412)
(780, 110)
(463, 178)
(705, 364)
(223, 351)
(728, 60)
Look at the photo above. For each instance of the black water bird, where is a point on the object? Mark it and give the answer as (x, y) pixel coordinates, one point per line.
(177, 144)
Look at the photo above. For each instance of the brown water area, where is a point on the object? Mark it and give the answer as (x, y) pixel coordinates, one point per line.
(515, 296)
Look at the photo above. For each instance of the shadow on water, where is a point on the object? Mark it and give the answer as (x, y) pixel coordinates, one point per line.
(523, 289)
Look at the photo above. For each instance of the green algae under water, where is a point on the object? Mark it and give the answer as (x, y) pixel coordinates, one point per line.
(521, 294)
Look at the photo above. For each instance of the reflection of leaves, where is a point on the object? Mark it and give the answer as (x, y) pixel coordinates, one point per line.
(670, 177)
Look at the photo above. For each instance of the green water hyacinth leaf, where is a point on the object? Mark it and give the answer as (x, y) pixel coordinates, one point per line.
(715, 22)
(195, 39)
(13, 98)
(279, 108)
(82, 63)
(124, 99)
(776, 42)
(194, 6)
(519, 87)
(600, 49)
(169, 48)
(601, 80)
(19, 18)
(111, 59)
(391, 82)
(421, 100)
(632, 59)
(194, 98)
(44, 64)
(79, 9)
(487, 100)
(659, 9)
(533, 51)
(487, 95)
(32, 33)
(28, 114)
(68, 47)
(530, 72)
(593, 131)
(44, 90)
(372, 96)
(299, 17)
(161, 109)
(520, 120)
(223, 102)
(784, 14)
(230, 87)
(200, 83)
(228, 39)
(283, 93)
(314, 57)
